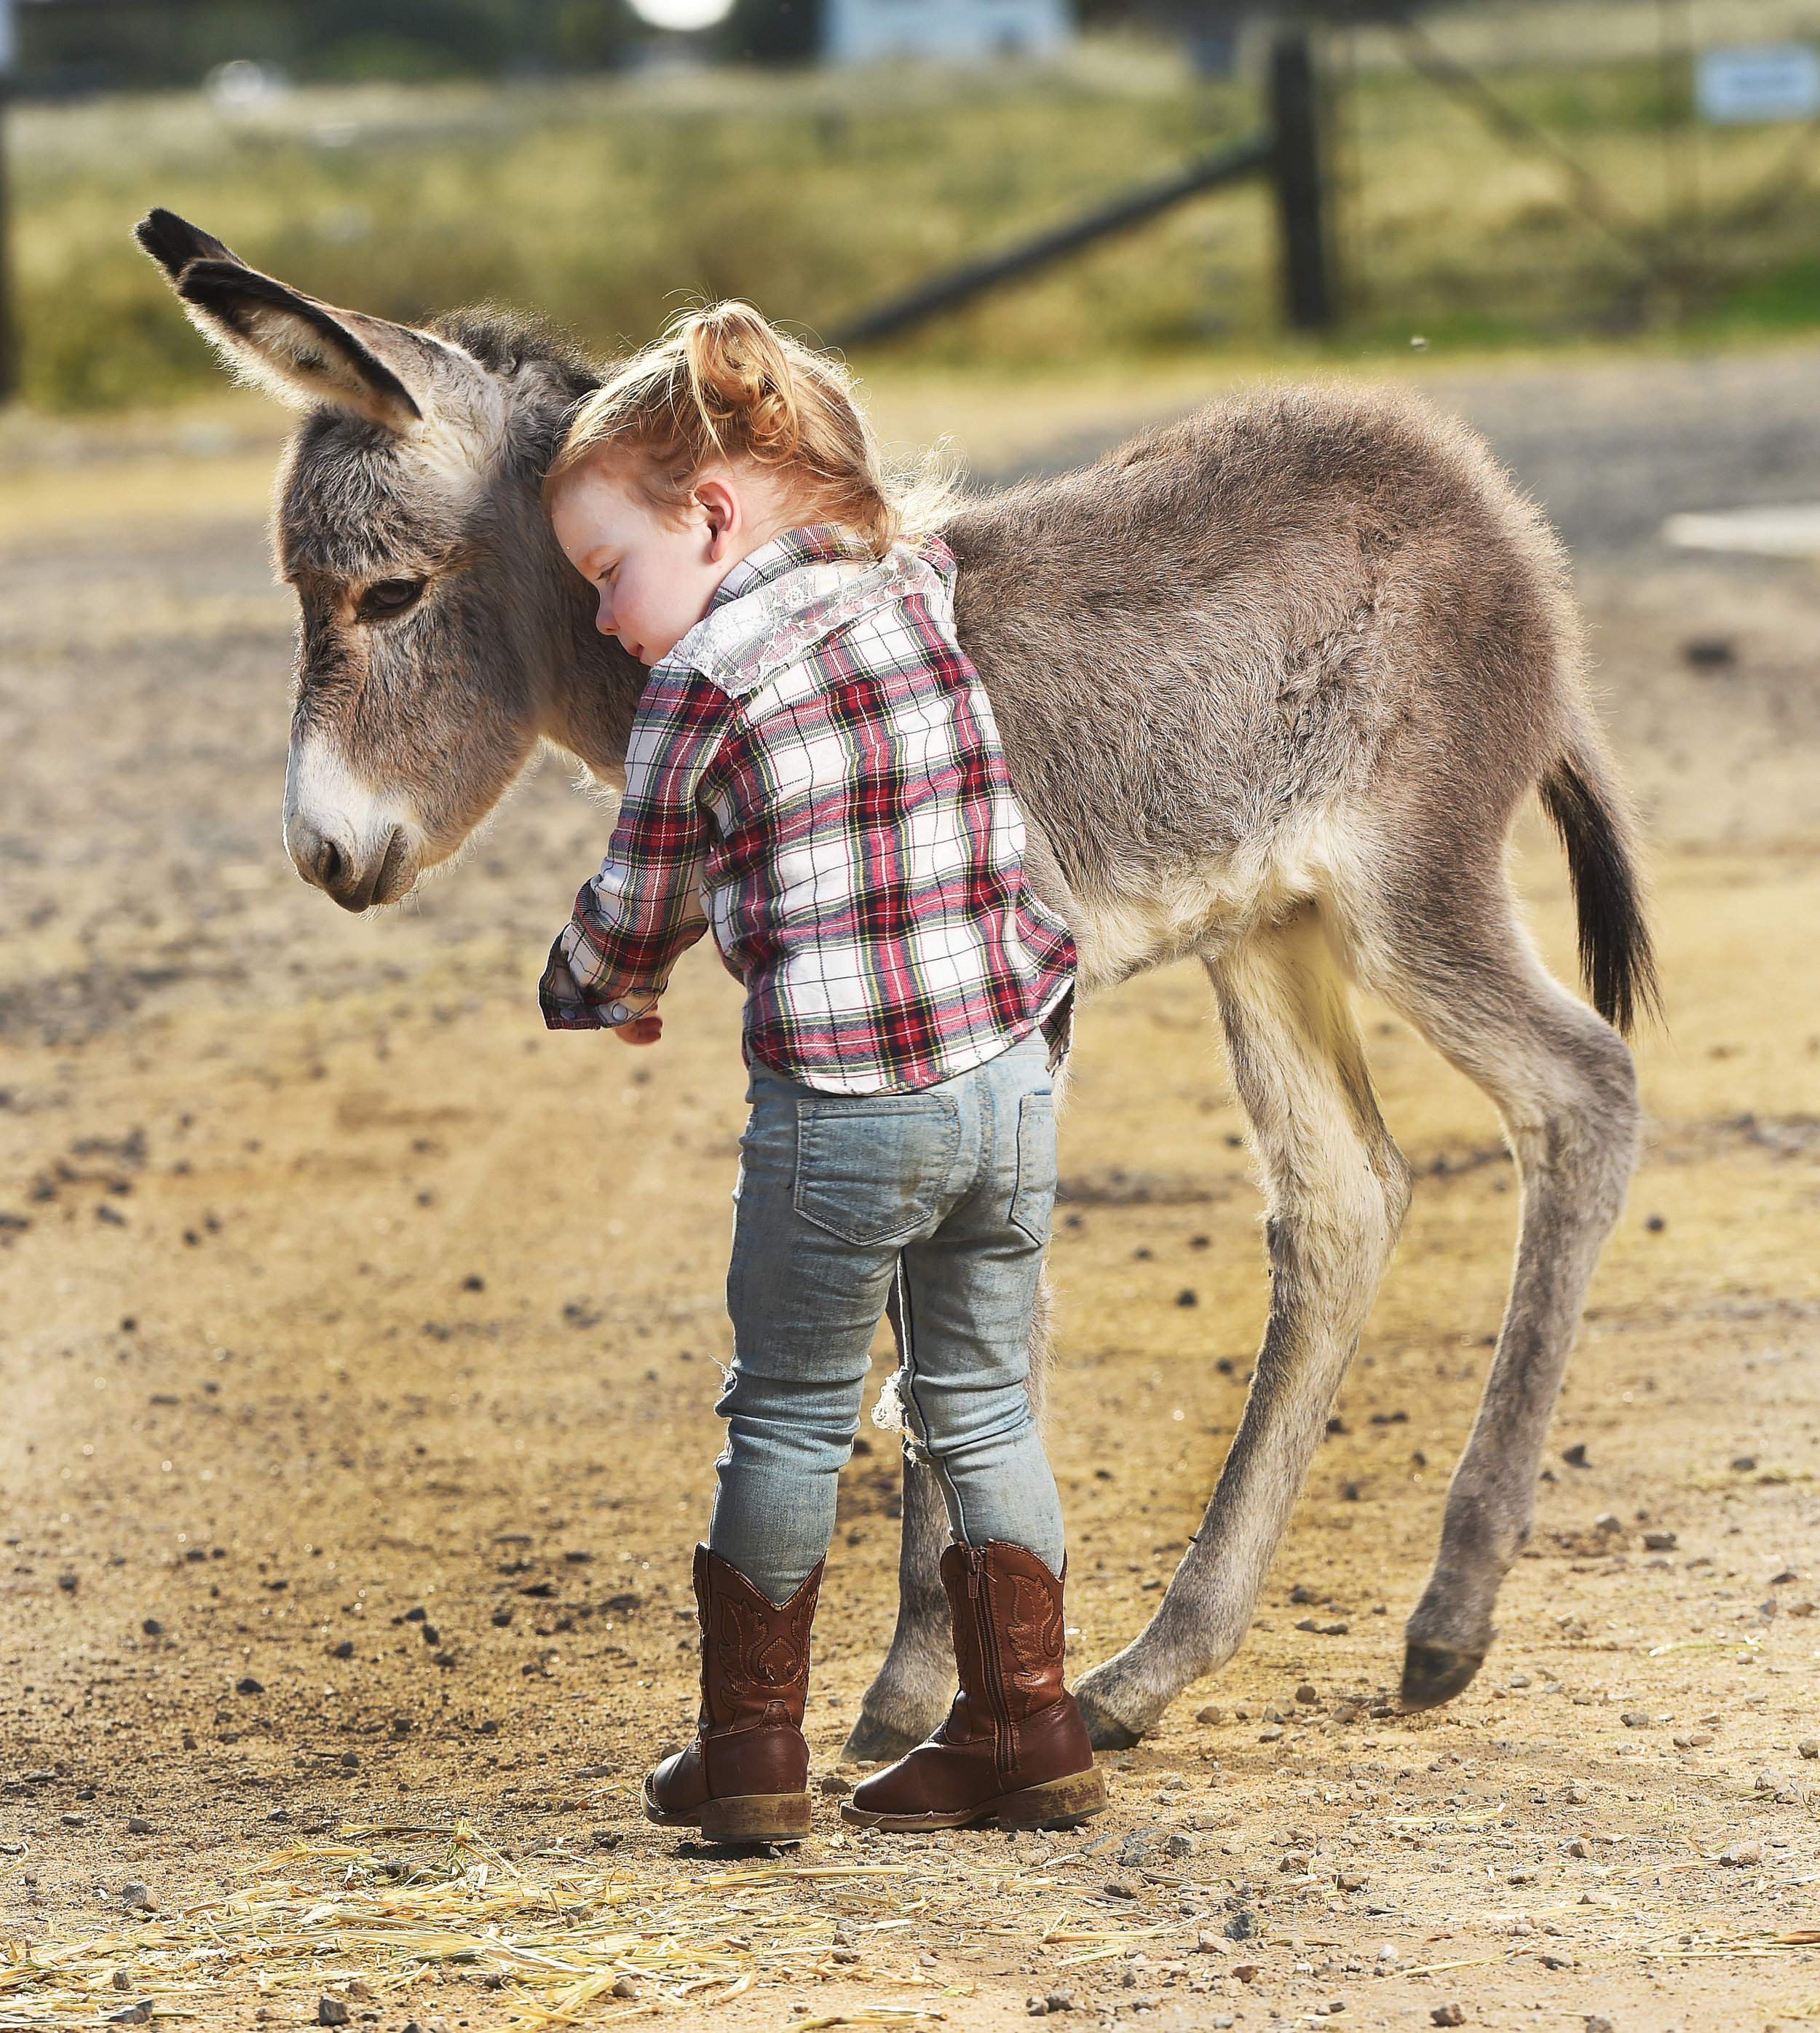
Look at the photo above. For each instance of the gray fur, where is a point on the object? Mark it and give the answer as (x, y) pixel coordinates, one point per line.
(1272, 683)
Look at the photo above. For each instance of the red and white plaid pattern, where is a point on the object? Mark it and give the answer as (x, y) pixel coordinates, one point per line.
(815, 764)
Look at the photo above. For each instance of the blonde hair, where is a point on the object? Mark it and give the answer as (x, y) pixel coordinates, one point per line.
(725, 383)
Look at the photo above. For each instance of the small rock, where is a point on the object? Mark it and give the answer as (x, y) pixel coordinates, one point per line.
(67, 1582)
(1743, 1463)
(1607, 1524)
(152, 1628)
(1449, 2014)
(1742, 1855)
(137, 1824)
(1187, 1296)
(1579, 1847)
(1210, 1714)
(1271, 1733)
(1636, 1719)
(246, 1684)
(1659, 1542)
(1350, 1881)
(1247, 1973)
(344, 1651)
(74, 1820)
(1179, 1843)
(137, 2014)
(1038, 2008)
(1294, 1861)
(1243, 1927)
(1704, 653)
(1059, 2000)
(624, 1987)
(122, 1981)
(350, 1761)
(834, 1785)
(331, 2011)
(1207, 1943)
(1575, 1456)
(1120, 1888)
(1307, 1693)
(1597, 2022)
(134, 1895)
(1809, 1746)
(1692, 1739)
(1557, 1959)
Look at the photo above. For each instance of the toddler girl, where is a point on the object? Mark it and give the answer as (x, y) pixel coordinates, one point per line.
(813, 771)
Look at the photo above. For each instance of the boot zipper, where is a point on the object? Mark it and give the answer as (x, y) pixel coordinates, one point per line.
(1005, 1755)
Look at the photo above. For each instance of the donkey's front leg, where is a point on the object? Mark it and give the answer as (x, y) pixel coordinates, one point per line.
(911, 1694)
(1337, 1189)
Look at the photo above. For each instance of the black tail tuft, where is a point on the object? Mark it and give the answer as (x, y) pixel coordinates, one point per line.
(1616, 959)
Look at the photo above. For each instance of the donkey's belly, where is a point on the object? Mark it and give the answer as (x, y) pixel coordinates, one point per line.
(1135, 918)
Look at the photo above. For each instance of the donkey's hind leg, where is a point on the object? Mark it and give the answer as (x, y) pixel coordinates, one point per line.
(1336, 1190)
(1462, 970)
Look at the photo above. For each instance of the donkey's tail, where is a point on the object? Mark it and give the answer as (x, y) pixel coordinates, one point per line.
(1617, 960)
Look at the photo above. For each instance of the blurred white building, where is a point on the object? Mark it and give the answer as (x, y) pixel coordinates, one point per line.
(943, 31)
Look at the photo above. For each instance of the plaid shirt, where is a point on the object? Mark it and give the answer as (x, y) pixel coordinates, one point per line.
(815, 766)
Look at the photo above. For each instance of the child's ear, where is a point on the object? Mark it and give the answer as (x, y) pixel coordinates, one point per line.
(720, 505)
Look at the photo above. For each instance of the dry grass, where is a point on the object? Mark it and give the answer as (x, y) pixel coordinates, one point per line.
(608, 202)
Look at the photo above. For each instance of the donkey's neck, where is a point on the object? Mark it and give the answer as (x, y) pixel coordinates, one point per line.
(591, 691)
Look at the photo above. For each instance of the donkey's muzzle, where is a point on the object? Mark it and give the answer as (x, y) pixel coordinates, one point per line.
(355, 880)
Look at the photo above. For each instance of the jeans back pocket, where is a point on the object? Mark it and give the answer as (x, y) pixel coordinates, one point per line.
(1033, 1199)
(873, 1170)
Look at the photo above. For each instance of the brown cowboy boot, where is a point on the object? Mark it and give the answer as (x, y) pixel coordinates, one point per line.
(1013, 1749)
(746, 1777)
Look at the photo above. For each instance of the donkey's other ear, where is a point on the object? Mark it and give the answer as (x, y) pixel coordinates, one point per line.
(173, 243)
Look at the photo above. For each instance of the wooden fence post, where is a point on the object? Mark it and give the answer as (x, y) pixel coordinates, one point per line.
(1299, 174)
(9, 330)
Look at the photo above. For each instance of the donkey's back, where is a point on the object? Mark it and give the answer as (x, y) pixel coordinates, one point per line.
(1283, 607)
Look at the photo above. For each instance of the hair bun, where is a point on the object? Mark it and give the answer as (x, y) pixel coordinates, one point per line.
(741, 377)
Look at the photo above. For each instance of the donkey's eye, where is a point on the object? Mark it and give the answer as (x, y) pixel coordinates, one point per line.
(389, 597)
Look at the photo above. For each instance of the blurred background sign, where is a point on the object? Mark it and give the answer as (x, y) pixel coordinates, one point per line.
(1767, 81)
(947, 31)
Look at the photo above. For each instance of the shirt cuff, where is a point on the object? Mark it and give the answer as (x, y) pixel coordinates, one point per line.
(568, 1005)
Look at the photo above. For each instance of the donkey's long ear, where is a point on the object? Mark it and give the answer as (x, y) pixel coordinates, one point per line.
(304, 353)
(173, 243)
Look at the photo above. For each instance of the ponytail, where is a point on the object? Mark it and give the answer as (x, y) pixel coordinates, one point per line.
(725, 383)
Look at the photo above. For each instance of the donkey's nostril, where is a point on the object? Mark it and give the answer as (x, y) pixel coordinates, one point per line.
(330, 867)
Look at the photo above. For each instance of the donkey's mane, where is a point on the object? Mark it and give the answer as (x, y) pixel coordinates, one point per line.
(506, 341)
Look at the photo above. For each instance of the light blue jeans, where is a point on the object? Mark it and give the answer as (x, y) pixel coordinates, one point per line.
(948, 1193)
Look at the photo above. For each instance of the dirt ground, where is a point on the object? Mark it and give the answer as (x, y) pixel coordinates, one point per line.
(358, 1345)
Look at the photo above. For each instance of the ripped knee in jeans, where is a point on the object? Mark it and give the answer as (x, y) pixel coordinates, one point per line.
(893, 1414)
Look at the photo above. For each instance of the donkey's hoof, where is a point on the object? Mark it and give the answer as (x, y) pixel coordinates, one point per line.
(1105, 1730)
(872, 1741)
(1433, 1673)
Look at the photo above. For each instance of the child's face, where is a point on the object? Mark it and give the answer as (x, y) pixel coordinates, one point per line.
(655, 571)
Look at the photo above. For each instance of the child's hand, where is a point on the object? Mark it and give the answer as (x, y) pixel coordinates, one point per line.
(645, 1030)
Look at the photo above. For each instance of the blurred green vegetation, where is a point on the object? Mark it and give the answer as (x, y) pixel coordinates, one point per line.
(146, 45)
(608, 202)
